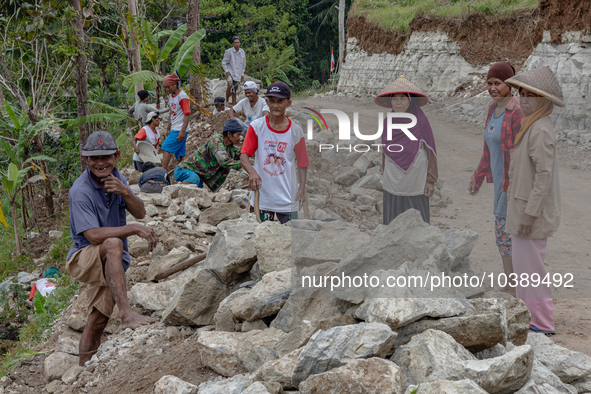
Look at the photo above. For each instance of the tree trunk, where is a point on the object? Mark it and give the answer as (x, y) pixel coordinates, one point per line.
(136, 60)
(81, 76)
(342, 6)
(47, 192)
(17, 238)
(192, 27)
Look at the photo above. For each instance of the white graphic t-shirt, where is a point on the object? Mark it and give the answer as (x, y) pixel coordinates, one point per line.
(179, 107)
(277, 152)
(251, 113)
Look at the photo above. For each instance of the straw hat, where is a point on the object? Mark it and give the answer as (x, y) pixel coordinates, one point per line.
(148, 152)
(540, 81)
(400, 85)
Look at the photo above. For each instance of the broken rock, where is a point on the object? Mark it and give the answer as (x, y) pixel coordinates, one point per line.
(273, 246)
(196, 302)
(219, 351)
(256, 347)
(434, 355)
(232, 251)
(192, 208)
(139, 248)
(568, 365)
(339, 345)
(169, 384)
(266, 298)
(446, 387)
(57, 364)
(161, 264)
(220, 212)
(278, 370)
(374, 375)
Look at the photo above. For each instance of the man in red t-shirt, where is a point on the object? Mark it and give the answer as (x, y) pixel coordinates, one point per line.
(178, 126)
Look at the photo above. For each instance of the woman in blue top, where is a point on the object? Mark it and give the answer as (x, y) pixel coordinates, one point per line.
(502, 124)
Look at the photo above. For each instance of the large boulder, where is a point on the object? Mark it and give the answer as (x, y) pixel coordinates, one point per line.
(266, 298)
(474, 332)
(232, 251)
(68, 342)
(434, 355)
(161, 264)
(220, 212)
(305, 304)
(169, 384)
(223, 318)
(460, 244)
(302, 334)
(339, 345)
(542, 376)
(582, 385)
(332, 244)
(278, 370)
(486, 323)
(219, 351)
(57, 364)
(256, 347)
(196, 302)
(406, 238)
(347, 175)
(157, 296)
(202, 197)
(568, 365)
(273, 246)
(446, 387)
(374, 375)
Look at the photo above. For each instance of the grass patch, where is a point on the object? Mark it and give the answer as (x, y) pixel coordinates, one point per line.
(397, 14)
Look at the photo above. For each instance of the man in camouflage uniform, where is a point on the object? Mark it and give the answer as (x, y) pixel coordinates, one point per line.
(214, 160)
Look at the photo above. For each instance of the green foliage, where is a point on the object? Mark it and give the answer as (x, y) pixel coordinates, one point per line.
(397, 14)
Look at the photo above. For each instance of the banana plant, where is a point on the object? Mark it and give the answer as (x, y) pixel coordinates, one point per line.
(183, 62)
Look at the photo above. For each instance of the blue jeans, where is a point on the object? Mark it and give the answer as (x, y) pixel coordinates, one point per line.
(186, 175)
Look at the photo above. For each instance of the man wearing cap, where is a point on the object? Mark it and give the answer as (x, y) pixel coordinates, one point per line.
(279, 144)
(180, 116)
(153, 179)
(533, 195)
(99, 257)
(140, 109)
(220, 105)
(234, 64)
(150, 134)
(252, 105)
(214, 160)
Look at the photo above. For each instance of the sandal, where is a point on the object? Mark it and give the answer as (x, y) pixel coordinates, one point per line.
(536, 329)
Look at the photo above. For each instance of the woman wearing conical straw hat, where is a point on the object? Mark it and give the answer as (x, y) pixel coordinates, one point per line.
(410, 173)
(502, 124)
(534, 191)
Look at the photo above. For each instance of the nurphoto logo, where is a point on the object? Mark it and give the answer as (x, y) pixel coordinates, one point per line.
(392, 123)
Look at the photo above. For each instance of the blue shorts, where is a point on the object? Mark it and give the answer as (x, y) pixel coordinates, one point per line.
(186, 175)
(172, 146)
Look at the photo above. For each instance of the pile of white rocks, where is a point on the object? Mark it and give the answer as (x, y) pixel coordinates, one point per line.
(265, 333)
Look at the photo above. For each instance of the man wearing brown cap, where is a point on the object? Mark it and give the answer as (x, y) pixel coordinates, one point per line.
(279, 145)
(180, 116)
(99, 257)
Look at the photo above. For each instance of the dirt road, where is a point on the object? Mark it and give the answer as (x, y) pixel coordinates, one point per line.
(459, 147)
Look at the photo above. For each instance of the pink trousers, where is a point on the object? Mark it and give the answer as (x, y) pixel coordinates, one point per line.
(528, 259)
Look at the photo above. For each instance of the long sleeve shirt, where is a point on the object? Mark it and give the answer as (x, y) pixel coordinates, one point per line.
(213, 162)
(234, 62)
(141, 110)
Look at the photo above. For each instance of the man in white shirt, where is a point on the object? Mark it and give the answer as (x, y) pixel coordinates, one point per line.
(234, 63)
(252, 105)
(178, 125)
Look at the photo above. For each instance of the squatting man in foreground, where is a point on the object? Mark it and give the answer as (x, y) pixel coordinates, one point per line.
(99, 257)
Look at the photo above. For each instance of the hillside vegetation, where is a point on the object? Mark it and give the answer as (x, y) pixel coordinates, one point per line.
(397, 14)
